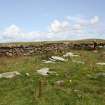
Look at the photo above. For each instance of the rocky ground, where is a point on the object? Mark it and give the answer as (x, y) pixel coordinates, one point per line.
(76, 77)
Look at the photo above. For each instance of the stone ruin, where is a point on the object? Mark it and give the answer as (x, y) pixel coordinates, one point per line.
(10, 50)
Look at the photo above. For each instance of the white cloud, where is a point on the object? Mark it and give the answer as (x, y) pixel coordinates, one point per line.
(77, 27)
(58, 30)
(58, 26)
(94, 20)
(13, 30)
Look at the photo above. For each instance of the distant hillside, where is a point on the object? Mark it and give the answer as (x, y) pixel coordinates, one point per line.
(87, 41)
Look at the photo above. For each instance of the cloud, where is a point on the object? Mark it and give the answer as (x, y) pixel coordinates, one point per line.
(72, 28)
(76, 28)
(13, 30)
(14, 33)
(94, 20)
(58, 26)
(64, 27)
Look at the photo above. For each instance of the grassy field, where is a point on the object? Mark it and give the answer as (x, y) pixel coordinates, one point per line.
(81, 85)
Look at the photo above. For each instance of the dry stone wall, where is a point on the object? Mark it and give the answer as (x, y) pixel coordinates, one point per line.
(27, 50)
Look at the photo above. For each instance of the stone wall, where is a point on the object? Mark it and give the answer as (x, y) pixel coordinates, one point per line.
(27, 50)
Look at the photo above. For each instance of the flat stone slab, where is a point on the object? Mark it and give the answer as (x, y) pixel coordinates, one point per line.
(70, 54)
(57, 58)
(9, 74)
(45, 71)
(45, 61)
(101, 63)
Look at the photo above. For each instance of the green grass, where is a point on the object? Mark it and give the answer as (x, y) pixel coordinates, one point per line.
(82, 90)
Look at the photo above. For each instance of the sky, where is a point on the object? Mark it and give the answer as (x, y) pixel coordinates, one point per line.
(45, 20)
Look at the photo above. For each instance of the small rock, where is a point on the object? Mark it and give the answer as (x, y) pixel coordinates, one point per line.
(9, 54)
(100, 75)
(60, 82)
(43, 71)
(52, 60)
(27, 74)
(57, 58)
(97, 76)
(70, 54)
(45, 61)
(101, 63)
(9, 74)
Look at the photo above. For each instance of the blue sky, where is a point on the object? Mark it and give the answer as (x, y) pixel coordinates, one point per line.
(35, 20)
